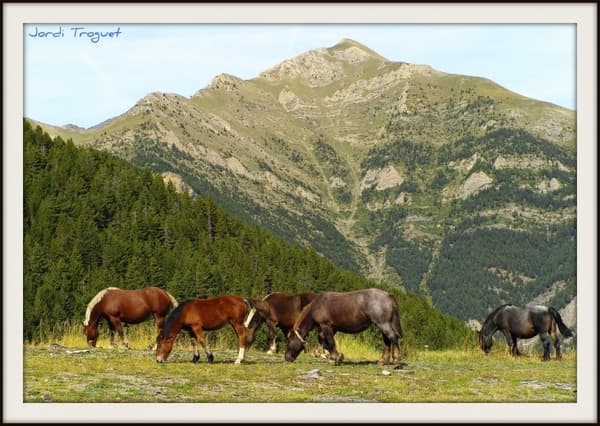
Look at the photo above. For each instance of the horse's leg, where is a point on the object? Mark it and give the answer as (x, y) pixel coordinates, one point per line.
(390, 340)
(512, 342)
(194, 340)
(159, 321)
(121, 332)
(556, 340)
(325, 353)
(395, 352)
(199, 334)
(329, 344)
(546, 341)
(124, 337)
(240, 330)
(515, 350)
(112, 334)
(272, 338)
(385, 357)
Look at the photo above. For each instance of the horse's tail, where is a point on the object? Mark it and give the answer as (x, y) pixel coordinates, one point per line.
(564, 330)
(396, 320)
(173, 300)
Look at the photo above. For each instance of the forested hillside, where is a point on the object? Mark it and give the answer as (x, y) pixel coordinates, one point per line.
(92, 221)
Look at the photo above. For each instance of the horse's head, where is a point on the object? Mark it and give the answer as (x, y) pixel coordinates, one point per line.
(485, 342)
(91, 334)
(295, 345)
(164, 345)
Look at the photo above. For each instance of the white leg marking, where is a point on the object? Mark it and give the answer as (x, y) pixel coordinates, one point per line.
(273, 348)
(240, 356)
(250, 315)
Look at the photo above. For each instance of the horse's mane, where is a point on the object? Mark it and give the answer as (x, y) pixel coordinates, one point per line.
(271, 294)
(97, 298)
(303, 314)
(488, 323)
(173, 300)
(175, 313)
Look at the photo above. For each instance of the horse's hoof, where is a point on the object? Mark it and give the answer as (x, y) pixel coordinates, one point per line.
(196, 359)
(211, 358)
(270, 352)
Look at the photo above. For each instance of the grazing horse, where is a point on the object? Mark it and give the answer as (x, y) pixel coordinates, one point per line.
(276, 310)
(198, 315)
(120, 307)
(350, 312)
(524, 323)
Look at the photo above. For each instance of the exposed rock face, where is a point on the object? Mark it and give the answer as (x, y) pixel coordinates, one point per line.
(321, 67)
(465, 164)
(382, 179)
(226, 82)
(474, 183)
(314, 67)
(549, 186)
(178, 183)
(521, 162)
(569, 314)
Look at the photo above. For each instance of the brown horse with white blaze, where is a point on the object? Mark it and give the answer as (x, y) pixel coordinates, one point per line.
(276, 310)
(120, 307)
(199, 315)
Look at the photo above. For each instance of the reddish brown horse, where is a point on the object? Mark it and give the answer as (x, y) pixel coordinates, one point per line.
(276, 310)
(198, 315)
(350, 312)
(120, 307)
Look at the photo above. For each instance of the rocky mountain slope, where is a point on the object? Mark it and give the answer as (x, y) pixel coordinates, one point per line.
(446, 185)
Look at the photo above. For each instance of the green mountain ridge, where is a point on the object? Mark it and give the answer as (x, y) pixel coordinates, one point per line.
(377, 165)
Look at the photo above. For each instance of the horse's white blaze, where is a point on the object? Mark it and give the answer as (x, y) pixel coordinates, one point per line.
(250, 315)
(95, 300)
(240, 356)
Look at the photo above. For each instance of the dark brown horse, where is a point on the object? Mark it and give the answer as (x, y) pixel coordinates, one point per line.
(524, 323)
(120, 307)
(198, 315)
(276, 310)
(350, 312)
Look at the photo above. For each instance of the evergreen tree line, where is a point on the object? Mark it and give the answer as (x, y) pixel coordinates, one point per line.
(92, 221)
(471, 275)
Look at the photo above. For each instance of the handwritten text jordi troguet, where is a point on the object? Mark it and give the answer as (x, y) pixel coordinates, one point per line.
(76, 32)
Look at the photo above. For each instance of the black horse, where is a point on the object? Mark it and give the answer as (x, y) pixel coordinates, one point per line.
(524, 323)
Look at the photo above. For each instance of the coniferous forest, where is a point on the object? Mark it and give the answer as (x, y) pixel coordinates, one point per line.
(92, 221)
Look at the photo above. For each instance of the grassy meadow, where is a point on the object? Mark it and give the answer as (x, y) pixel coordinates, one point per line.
(67, 371)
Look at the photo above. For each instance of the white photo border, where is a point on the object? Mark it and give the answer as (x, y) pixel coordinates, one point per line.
(15, 15)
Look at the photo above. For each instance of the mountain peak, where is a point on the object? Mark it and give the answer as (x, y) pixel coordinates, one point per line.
(346, 44)
(322, 66)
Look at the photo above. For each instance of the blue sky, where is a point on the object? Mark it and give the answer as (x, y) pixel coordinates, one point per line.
(70, 79)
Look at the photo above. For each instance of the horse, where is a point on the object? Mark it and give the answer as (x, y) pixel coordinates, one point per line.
(276, 310)
(524, 323)
(198, 315)
(350, 312)
(120, 307)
